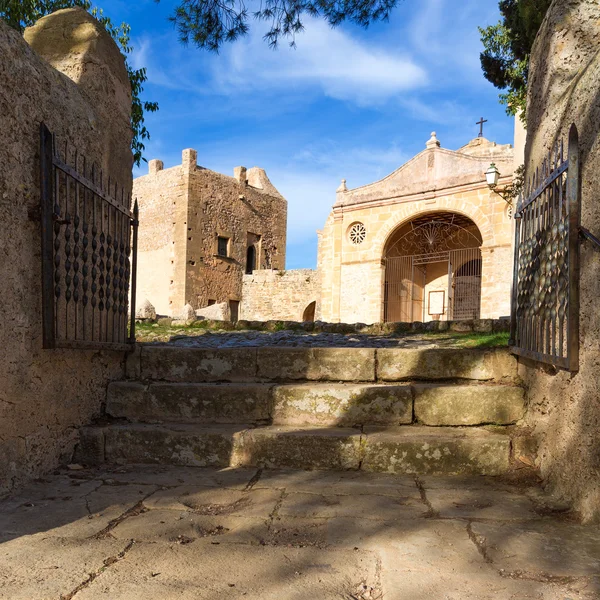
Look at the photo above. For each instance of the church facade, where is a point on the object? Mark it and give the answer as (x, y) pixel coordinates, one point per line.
(430, 241)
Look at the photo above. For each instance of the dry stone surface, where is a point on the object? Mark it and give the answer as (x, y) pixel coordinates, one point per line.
(200, 534)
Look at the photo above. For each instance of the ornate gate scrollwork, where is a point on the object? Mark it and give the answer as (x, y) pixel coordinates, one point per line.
(89, 250)
(439, 238)
(545, 303)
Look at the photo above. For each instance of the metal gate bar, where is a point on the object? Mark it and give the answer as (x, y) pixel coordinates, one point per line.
(545, 302)
(402, 291)
(86, 247)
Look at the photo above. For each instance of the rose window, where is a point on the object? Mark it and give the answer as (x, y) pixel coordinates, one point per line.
(357, 233)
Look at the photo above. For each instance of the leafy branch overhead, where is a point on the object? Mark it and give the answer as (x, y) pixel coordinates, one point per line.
(20, 14)
(210, 23)
(507, 47)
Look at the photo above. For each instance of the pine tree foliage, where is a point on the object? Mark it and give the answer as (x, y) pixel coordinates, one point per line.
(210, 23)
(507, 48)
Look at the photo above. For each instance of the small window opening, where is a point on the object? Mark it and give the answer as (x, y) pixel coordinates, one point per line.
(223, 246)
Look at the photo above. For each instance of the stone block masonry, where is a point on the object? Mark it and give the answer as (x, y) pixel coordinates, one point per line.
(200, 231)
(68, 73)
(281, 295)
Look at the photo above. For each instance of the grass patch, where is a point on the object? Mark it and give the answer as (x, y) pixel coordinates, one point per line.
(469, 340)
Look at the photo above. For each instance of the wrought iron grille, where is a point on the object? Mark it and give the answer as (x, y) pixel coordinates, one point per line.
(545, 303)
(408, 279)
(436, 252)
(89, 251)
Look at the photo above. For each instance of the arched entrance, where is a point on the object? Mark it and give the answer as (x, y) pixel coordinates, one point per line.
(309, 312)
(433, 269)
(250, 259)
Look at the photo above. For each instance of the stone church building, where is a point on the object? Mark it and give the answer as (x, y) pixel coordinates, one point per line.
(200, 231)
(430, 241)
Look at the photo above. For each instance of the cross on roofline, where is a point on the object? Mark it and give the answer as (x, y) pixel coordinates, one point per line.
(480, 123)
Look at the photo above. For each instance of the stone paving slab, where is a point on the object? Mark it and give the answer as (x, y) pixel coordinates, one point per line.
(169, 475)
(183, 527)
(210, 501)
(555, 549)
(71, 516)
(48, 568)
(211, 533)
(337, 482)
(204, 571)
(401, 507)
(481, 504)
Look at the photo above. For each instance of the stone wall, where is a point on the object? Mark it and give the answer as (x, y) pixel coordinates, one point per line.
(279, 295)
(565, 408)
(183, 210)
(46, 395)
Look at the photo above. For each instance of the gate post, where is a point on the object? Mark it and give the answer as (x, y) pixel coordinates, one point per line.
(574, 207)
(47, 233)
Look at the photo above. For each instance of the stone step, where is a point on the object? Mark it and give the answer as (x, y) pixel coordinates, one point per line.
(317, 404)
(234, 365)
(412, 449)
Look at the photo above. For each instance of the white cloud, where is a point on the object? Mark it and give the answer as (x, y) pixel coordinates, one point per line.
(344, 67)
(310, 179)
(327, 60)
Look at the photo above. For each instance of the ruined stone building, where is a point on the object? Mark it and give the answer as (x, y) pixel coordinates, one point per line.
(200, 231)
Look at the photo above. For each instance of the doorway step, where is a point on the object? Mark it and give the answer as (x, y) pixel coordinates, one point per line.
(429, 411)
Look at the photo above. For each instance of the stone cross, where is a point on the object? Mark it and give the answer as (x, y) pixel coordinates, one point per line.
(480, 123)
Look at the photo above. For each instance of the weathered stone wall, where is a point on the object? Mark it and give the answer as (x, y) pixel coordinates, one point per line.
(183, 210)
(565, 89)
(46, 395)
(279, 295)
(435, 180)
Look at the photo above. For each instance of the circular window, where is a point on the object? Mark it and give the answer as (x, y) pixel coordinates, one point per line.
(357, 233)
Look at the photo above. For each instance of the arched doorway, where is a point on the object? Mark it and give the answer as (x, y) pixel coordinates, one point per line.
(433, 269)
(309, 313)
(250, 259)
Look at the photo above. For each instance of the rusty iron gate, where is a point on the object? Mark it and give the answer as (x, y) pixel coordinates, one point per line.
(406, 282)
(429, 249)
(545, 303)
(89, 253)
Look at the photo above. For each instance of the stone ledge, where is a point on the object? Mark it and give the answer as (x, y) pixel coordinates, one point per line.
(443, 451)
(468, 404)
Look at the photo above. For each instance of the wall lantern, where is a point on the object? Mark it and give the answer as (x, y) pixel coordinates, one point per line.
(492, 176)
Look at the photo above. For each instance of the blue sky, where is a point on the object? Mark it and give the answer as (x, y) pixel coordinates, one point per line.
(345, 103)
